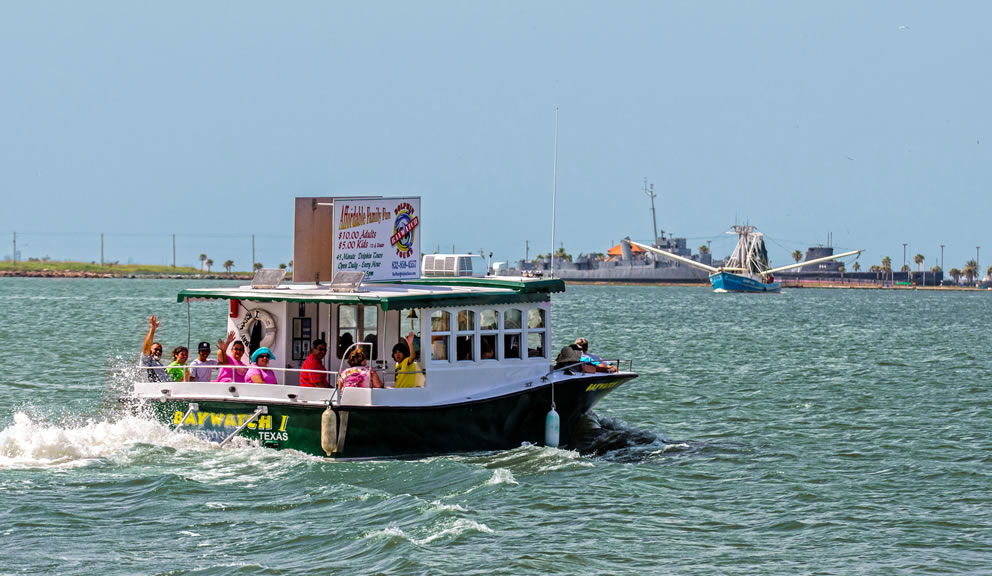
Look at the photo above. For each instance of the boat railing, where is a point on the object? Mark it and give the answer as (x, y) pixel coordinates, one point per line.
(620, 364)
(332, 375)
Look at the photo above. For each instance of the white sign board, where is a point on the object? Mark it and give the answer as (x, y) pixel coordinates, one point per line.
(378, 236)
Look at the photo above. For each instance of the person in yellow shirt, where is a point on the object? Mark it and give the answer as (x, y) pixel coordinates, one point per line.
(406, 367)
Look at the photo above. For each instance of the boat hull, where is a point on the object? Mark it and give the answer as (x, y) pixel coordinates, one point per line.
(387, 431)
(728, 282)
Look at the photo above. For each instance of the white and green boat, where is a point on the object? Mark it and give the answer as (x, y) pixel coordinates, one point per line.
(485, 369)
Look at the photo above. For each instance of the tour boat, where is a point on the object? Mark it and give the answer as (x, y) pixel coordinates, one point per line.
(483, 348)
(747, 269)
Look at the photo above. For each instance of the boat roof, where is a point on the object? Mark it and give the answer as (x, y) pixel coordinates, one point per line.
(397, 295)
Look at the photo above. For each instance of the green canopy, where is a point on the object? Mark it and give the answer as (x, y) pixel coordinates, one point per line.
(404, 294)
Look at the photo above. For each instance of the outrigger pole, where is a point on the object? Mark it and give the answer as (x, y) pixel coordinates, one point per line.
(808, 262)
(676, 257)
(713, 270)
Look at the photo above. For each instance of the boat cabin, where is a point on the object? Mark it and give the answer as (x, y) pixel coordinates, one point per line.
(486, 325)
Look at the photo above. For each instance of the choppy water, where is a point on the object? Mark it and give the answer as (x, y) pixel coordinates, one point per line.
(816, 431)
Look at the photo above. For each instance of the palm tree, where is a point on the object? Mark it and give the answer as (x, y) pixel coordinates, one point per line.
(797, 256)
(919, 261)
(209, 264)
(228, 265)
(956, 274)
(887, 264)
(562, 255)
(203, 258)
(905, 268)
(970, 271)
(258, 266)
(704, 249)
(841, 269)
(282, 266)
(857, 266)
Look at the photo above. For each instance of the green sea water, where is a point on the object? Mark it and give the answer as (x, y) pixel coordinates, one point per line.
(809, 432)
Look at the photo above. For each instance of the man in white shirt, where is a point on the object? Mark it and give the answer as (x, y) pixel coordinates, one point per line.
(201, 369)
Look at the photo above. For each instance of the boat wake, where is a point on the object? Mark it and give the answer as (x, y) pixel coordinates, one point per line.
(32, 441)
(616, 440)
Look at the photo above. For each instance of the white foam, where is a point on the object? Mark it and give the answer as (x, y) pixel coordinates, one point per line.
(441, 507)
(502, 476)
(31, 442)
(460, 526)
(448, 530)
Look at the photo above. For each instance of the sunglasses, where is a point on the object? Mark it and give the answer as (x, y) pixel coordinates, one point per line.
(263, 356)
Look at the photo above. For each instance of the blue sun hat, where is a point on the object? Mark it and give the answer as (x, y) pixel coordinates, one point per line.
(260, 351)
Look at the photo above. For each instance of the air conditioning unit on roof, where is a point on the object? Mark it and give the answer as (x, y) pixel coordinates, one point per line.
(448, 265)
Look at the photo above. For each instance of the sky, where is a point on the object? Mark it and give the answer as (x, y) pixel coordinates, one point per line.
(867, 121)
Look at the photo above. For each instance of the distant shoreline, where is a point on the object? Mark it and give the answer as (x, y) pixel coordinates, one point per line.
(790, 284)
(137, 275)
(147, 275)
(35, 268)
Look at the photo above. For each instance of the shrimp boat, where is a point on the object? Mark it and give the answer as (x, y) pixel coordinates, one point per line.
(747, 269)
(482, 345)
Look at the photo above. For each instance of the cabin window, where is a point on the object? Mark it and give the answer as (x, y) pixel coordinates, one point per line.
(356, 323)
(464, 335)
(370, 328)
(535, 332)
(440, 331)
(512, 331)
(347, 328)
(410, 322)
(488, 335)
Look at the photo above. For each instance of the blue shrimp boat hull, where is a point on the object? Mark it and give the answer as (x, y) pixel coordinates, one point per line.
(727, 282)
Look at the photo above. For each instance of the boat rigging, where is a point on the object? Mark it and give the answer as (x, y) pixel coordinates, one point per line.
(747, 269)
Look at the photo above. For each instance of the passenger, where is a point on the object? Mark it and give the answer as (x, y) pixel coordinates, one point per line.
(228, 373)
(151, 354)
(463, 345)
(344, 342)
(570, 355)
(315, 361)
(258, 372)
(591, 360)
(180, 354)
(406, 367)
(359, 375)
(578, 353)
(487, 350)
(201, 368)
(371, 340)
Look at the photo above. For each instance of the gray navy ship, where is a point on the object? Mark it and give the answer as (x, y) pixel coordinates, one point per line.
(626, 263)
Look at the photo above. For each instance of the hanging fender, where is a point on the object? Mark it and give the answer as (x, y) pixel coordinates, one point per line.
(333, 429)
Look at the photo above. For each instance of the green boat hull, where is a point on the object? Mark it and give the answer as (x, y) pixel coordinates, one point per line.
(377, 431)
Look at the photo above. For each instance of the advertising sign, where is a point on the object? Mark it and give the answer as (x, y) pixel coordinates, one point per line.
(378, 236)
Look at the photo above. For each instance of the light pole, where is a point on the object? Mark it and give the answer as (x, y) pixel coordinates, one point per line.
(978, 268)
(941, 257)
(903, 254)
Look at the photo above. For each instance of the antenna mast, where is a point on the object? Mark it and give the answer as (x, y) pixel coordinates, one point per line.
(554, 193)
(654, 221)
